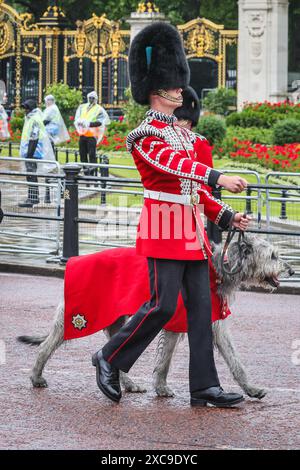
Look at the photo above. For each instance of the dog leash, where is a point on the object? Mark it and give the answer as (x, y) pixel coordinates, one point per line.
(243, 248)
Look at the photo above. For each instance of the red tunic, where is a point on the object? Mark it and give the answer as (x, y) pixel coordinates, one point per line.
(169, 159)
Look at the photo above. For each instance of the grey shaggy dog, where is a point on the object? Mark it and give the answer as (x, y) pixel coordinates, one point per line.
(261, 266)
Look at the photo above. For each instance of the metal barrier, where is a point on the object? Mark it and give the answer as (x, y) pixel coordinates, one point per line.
(65, 152)
(35, 231)
(103, 211)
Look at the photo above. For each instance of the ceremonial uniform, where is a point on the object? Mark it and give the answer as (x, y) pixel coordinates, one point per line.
(166, 158)
(171, 232)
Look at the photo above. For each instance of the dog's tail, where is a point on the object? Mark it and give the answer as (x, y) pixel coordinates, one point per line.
(32, 340)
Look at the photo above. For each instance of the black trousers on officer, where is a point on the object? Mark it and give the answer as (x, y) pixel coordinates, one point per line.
(87, 151)
(167, 279)
(33, 191)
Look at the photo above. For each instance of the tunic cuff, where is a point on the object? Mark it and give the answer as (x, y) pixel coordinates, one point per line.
(213, 177)
(224, 218)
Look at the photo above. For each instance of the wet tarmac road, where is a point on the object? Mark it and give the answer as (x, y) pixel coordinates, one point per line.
(73, 414)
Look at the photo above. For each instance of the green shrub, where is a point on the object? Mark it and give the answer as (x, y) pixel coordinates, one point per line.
(220, 100)
(286, 132)
(133, 113)
(234, 134)
(263, 114)
(117, 127)
(67, 99)
(213, 128)
(253, 119)
(17, 120)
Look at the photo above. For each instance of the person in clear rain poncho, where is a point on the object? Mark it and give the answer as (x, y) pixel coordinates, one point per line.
(90, 122)
(54, 122)
(4, 131)
(35, 144)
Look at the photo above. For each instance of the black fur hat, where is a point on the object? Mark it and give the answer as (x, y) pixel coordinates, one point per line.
(157, 61)
(190, 108)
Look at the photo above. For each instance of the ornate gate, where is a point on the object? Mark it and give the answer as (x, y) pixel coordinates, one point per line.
(211, 52)
(34, 55)
(94, 55)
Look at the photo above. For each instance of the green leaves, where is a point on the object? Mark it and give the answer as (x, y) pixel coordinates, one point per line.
(220, 100)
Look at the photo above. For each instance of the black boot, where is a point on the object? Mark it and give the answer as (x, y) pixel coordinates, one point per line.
(107, 377)
(215, 396)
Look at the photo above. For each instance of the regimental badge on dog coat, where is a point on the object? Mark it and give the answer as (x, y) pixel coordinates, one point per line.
(79, 321)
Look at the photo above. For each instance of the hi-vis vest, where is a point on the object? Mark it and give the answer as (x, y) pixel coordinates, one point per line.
(90, 115)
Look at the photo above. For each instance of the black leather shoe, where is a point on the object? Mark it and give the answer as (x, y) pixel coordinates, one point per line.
(107, 377)
(215, 396)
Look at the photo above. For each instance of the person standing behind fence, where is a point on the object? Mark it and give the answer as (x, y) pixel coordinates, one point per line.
(4, 131)
(54, 123)
(35, 144)
(90, 122)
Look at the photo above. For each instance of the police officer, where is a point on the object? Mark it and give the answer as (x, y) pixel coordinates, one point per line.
(90, 122)
(35, 144)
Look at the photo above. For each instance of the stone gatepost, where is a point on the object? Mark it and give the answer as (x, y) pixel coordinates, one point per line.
(146, 13)
(262, 51)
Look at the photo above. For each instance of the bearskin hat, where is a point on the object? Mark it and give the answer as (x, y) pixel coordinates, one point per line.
(190, 108)
(157, 61)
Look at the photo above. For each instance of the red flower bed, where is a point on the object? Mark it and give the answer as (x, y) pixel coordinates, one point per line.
(282, 106)
(275, 157)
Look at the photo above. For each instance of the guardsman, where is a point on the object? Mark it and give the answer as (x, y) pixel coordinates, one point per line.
(35, 144)
(170, 231)
(91, 120)
(54, 123)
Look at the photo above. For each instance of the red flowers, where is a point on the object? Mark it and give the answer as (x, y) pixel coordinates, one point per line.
(275, 157)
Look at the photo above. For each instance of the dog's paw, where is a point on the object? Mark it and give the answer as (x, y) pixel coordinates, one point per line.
(39, 382)
(164, 391)
(134, 388)
(255, 392)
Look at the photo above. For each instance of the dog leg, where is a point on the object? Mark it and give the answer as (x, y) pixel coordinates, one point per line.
(223, 342)
(47, 348)
(167, 341)
(128, 384)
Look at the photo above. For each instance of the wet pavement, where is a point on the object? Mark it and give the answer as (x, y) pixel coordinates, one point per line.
(73, 414)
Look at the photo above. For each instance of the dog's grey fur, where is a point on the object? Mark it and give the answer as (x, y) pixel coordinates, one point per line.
(261, 266)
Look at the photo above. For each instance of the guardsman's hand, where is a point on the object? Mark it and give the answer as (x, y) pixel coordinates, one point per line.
(234, 184)
(241, 221)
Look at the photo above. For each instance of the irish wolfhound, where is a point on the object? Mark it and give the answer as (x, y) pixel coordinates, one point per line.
(261, 266)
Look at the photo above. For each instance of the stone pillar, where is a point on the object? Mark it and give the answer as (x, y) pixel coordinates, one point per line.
(146, 13)
(262, 51)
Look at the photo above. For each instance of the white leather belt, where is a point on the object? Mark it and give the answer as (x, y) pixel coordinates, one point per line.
(186, 199)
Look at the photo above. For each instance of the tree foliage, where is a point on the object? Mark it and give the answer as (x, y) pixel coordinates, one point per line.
(178, 11)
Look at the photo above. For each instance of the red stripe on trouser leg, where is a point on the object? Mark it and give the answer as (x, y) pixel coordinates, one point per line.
(142, 321)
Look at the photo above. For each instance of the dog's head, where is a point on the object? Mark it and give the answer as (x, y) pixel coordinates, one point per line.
(260, 262)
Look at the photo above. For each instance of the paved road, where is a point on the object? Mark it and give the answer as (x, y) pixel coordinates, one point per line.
(73, 414)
